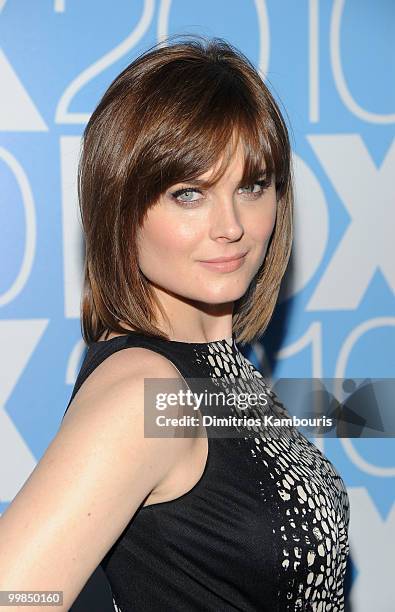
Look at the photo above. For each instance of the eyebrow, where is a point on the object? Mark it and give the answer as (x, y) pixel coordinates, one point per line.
(204, 183)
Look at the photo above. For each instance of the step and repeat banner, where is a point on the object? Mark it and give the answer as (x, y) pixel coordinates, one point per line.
(331, 66)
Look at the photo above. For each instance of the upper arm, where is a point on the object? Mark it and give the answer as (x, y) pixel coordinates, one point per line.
(92, 478)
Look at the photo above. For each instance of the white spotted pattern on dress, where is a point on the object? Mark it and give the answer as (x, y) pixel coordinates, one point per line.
(313, 504)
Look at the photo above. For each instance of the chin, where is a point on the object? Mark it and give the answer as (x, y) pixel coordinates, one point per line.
(222, 297)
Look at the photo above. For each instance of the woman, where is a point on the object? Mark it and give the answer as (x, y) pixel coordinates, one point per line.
(186, 199)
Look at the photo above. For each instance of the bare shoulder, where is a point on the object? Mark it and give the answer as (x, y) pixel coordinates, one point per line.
(92, 479)
(123, 372)
(112, 402)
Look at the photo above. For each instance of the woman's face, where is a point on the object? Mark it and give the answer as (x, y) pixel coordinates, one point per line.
(190, 225)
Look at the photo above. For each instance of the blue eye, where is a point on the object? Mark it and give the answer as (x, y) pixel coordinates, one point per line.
(263, 185)
(176, 194)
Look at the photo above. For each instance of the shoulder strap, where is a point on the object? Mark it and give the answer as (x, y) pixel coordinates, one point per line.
(99, 351)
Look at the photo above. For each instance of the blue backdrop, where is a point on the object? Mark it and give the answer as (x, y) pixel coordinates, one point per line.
(330, 64)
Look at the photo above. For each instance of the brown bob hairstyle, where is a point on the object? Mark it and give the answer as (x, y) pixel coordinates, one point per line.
(172, 114)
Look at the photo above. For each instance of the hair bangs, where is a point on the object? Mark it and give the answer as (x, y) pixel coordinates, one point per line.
(215, 146)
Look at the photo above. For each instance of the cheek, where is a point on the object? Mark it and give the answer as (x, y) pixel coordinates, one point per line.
(261, 225)
(163, 238)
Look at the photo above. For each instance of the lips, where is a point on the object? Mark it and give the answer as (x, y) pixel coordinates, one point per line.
(225, 264)
(225, 259)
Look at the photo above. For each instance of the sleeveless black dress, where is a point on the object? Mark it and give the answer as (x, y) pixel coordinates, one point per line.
(264, 529)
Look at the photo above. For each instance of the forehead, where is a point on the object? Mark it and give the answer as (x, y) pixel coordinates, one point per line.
(233, 167)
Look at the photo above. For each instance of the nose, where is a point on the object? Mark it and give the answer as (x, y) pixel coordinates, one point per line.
(225, 220)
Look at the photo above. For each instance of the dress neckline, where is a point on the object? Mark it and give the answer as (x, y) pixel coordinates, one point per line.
(230, 340)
